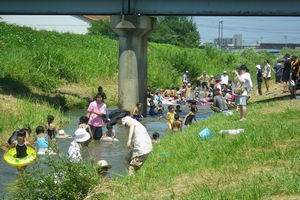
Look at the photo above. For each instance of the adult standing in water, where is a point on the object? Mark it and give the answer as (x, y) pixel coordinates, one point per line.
(138, 139)
(96, 112)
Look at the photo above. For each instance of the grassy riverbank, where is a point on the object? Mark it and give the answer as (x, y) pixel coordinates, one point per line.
(261, 163)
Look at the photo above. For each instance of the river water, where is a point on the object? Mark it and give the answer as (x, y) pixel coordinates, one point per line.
(112, 152)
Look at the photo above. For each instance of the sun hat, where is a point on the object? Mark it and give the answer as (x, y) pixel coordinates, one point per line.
(186, 71)
(116, 114)
(258, 66)
(61, 132)
(212, 76)
(81, 135)
(224, 72)
(103, 163)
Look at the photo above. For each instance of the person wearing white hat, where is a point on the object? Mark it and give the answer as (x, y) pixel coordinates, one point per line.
(224, 79)
(74, 152)
(259, 78)
(185, 77)
(103, 167)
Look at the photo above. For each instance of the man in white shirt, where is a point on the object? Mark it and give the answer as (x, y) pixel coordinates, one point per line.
(138, 139)
(224, 78)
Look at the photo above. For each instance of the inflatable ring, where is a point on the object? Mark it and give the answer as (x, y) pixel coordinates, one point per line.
(10, 158)
(109, 139)
(63, 136)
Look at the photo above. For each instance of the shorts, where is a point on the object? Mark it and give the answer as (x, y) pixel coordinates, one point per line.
(278, 79)
(134, 163)
(241, 100)
(286, 76)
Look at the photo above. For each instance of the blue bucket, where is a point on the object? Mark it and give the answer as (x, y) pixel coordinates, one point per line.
(205, 133)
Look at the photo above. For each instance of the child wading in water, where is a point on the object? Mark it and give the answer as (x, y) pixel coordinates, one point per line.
(74, 152)
(136, 113)
(155, 138)
(43, 140)
(160, 108)
(110, 132)
(170, 116)
(21, 148)
(83, 123)
(177, 124)
(51, 127)
(190, 116)
(102, 169)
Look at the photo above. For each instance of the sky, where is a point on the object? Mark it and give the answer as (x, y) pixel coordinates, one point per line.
(267, 29)
(253, 29)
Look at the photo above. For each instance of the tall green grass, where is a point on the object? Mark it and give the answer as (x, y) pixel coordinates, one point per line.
(28, 111)
(47, 59)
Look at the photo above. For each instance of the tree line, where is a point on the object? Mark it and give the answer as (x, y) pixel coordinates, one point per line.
(175, 30)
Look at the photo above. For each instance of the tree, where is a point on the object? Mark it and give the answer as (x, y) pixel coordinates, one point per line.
(175, 30)
(102, 27)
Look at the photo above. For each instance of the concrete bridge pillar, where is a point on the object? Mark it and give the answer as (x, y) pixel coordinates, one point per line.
(133, 31)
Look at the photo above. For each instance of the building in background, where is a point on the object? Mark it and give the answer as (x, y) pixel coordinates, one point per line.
(230, 42)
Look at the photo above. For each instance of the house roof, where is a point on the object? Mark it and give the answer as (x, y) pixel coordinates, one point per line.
(95, 17)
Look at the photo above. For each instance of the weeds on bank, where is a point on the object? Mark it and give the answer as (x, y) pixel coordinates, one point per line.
(56, 178)
(260, 163)
(19, 113)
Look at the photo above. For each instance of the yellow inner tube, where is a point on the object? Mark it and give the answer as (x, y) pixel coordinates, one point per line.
(10, 158)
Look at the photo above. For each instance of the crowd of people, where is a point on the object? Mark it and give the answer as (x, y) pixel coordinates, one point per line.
(90, 128)
(220, 92)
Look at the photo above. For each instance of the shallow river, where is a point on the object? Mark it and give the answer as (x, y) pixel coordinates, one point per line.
(113, 152)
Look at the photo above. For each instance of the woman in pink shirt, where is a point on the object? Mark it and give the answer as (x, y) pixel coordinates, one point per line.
(96, 112)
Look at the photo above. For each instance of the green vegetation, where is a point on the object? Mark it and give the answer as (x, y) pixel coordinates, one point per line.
(47, 60)
(180, 31)
(26, 111)
(174, 30)
(57, 179)
(102, 27)
(261, 163)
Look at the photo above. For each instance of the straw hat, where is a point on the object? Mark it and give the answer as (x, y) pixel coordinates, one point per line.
(103, 163)
(81, 135)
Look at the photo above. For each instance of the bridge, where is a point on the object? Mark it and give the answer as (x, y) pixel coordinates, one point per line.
(153, 7)
(134, 21)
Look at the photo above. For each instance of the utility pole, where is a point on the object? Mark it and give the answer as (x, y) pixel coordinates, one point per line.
(285, 38)
(220, 34)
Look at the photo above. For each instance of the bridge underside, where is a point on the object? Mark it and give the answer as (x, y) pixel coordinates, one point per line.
(153, 7)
